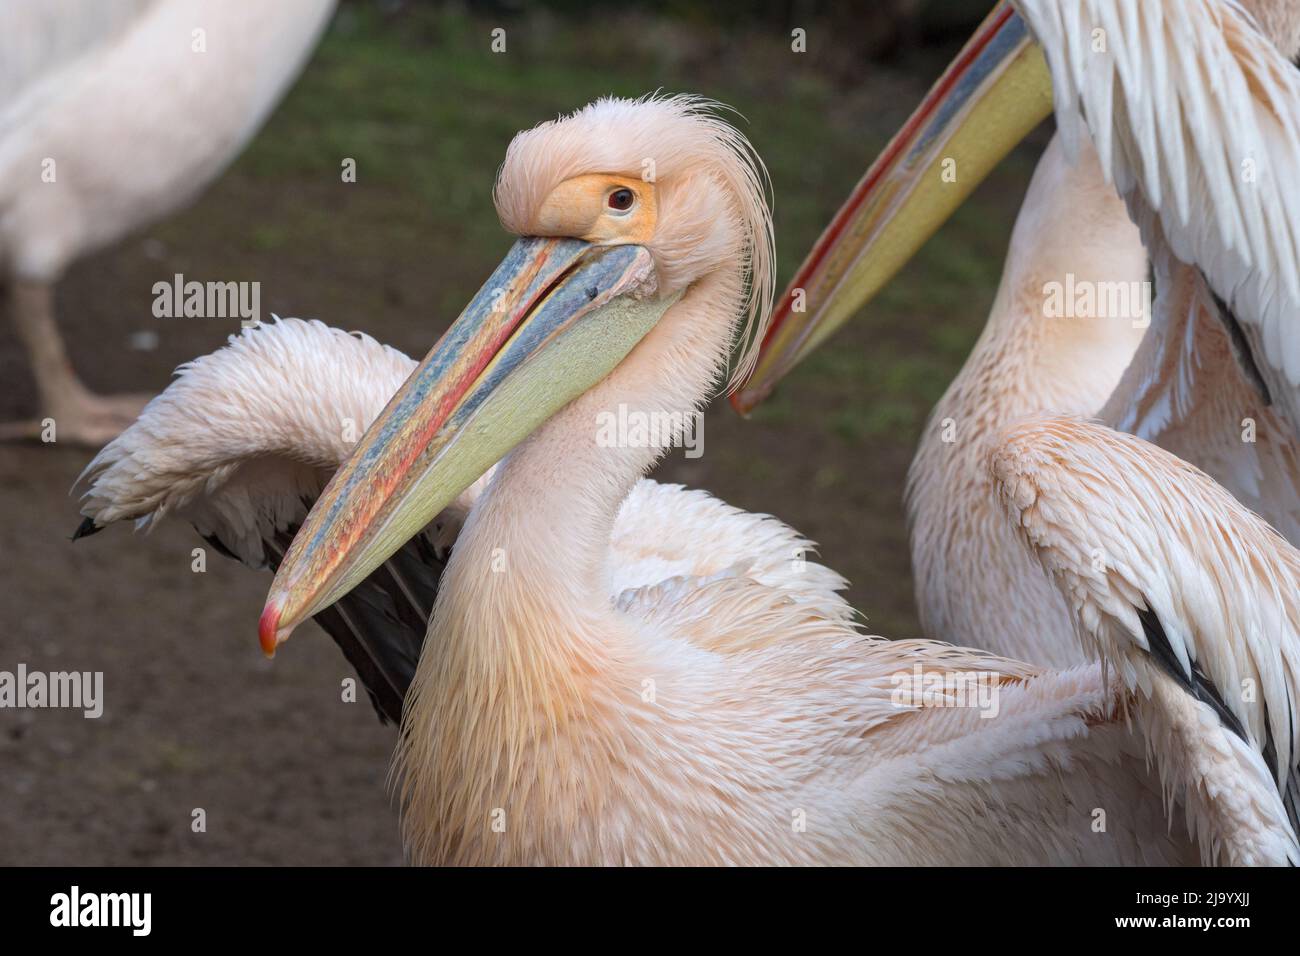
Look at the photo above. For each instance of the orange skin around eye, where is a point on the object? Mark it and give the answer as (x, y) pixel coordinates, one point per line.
(579, 208)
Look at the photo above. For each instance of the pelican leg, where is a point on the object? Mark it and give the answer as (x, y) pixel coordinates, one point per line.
(69, 412)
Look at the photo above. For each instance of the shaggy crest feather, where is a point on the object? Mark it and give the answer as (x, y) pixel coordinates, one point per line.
(673, 139)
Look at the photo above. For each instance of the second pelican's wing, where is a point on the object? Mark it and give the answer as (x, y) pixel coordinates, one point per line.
(1191, 600)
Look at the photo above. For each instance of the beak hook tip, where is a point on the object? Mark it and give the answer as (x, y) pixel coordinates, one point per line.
(746, 398)
(268, 628)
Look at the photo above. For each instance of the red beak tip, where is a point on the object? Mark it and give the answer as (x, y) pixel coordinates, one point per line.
(268, 628)
(744, 400)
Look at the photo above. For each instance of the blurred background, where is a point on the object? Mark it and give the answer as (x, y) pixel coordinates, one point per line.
(195, 717)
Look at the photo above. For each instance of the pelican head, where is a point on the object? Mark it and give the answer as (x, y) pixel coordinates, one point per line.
(619, 208)
(990, 97)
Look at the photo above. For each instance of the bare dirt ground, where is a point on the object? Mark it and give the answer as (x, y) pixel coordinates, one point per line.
(194, 717)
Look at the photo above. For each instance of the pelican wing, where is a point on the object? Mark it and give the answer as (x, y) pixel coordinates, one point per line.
(702, 569)
(37, 37)
(241, 444)
(995, 761)
(1193, 389)
(1046, 773)
(1192, 600)
(946, 755)
(1195, 116)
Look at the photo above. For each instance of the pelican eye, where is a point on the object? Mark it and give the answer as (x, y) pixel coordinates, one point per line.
(621, 200)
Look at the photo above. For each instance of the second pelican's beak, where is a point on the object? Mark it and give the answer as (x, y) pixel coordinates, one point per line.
(986, 102)
(553, 320)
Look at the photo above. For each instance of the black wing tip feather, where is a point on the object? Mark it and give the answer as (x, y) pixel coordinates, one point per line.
(220, 545)
(1240, 345)
(1203, 689)
(86, 529)
(1195, 683)
(380, 625)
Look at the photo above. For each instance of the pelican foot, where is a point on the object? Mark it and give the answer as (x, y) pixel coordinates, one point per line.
(85, 421)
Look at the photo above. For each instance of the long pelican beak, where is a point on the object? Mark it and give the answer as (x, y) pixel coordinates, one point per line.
(990, 97)
(554, 319)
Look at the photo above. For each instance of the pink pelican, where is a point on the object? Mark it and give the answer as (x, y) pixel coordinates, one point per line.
(617, 671)
(1182, 121)
(115, 114)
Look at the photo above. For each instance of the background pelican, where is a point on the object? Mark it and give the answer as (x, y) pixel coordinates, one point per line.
(1194, 115)
(570, 705)
(116, 113)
